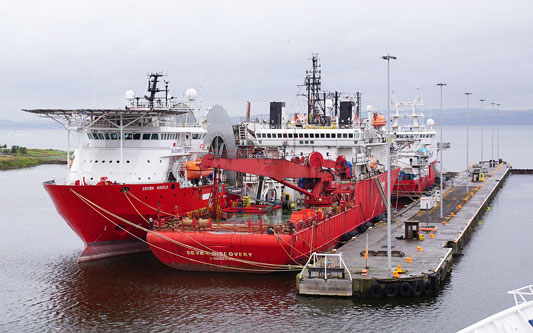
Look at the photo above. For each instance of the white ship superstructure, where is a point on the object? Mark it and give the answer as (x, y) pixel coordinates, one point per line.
(414, 144)
(332, 126)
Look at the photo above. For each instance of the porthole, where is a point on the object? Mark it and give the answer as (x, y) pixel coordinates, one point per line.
(148, 161)
(110, 161)
(103, 161)
(118, 161)
(128, 161)
(160, 161)
(139, 178)
(95, 161)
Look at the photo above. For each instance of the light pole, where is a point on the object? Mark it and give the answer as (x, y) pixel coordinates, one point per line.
(388, 57)
(467, 125)
(440, 121)
(498, 140)
(492, 133)
(482, 123)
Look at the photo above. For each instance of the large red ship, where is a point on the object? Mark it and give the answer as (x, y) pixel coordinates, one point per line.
(335, 206)
(134, 164)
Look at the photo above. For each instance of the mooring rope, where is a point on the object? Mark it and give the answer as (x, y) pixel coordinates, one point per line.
(94, 206)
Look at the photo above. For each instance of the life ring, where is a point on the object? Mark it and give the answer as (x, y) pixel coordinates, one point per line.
(202, 146)
(390, 290)
(418, 288)
(405, 290)
(375, 291)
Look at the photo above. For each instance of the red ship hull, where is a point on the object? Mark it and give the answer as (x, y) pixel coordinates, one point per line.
(414, 187)
(105, 235)
(260, 252)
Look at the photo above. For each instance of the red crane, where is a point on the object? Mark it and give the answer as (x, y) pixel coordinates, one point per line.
(314, 169)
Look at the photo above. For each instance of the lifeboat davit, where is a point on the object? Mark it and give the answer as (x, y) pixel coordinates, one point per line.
(378, 120)
(192, 169)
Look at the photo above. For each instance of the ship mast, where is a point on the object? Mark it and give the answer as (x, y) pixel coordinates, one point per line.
(152, 88)
(316, 110)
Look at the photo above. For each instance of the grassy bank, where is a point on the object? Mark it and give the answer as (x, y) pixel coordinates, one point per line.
(23, 158)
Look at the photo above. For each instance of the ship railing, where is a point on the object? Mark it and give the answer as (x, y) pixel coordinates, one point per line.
(522, 295)
(194, 222)
(326, 264)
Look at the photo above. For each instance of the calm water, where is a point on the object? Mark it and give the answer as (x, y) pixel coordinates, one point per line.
(43, 288)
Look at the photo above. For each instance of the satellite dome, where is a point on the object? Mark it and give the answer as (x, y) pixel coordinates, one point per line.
(130, 95)
(369, 108)
(329, 103)
(191, 94)
(430, 122)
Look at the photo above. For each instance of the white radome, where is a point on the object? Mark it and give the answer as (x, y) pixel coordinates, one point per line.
(369, 108)
(191, 94)
(130, 95)
(430, 122)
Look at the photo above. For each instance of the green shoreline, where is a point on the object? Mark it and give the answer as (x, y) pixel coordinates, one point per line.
(31, 158)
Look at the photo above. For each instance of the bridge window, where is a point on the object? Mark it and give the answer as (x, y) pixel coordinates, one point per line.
(350, 135)
(327, 136)
(306, 135)
(146, 136)
(100, 136)
(128, 136)
(136, 136)
(155, 136)
(333, 135)
(290, 135)
(344, 135)
(322, 135)
(107, 137)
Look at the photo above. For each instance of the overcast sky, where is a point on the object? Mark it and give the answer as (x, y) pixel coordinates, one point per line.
(58, 53)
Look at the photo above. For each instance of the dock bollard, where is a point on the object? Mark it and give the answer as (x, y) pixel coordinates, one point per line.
(399, 269)
(443, 222)
(432, 236)
(419, 248)
(396, 274)
(408, 259)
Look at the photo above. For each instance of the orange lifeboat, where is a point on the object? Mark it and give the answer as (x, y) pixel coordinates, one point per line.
(192, 169)
(378, 120)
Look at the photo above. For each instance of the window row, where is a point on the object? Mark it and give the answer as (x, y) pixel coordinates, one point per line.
(414, 136)
(308, 135)
(141, 136)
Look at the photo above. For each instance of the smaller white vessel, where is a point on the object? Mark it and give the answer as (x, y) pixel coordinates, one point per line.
(518, 318)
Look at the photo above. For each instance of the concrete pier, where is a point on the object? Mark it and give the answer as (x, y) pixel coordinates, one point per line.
(424, 263)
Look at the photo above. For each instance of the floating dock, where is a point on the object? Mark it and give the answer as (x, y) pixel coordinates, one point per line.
(423, 244)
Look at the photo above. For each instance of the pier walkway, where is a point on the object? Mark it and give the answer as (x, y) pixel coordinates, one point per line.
(430, 258)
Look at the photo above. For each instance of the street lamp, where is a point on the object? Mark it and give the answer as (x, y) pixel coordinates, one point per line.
(492, 132)
(388, 58)
(482, 123)
(441, 146)
(467, 125)
(498, 124)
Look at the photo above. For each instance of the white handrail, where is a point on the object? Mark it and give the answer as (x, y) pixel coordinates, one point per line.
(521, 293)
(315, 257)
